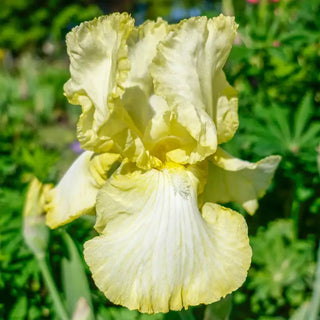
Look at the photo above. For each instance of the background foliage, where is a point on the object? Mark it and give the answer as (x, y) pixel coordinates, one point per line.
(275, 67)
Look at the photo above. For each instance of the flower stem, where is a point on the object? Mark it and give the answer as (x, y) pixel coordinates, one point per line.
(59, 307)
(227, 7)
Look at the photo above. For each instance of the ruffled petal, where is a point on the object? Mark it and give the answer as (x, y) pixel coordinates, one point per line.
(167, 139)
(225, 108)
(75, 195)
(142, 45)
(232, 179)
(99, 67)
(156, 251)
(187, 72)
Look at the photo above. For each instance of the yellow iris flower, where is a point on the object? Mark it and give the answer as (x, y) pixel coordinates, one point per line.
(155, 106)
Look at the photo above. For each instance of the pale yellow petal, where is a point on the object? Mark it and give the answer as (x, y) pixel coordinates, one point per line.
(142, 45)
(161, 134)
(35, 199)
(75, 195)
(35, 232)
(225, 108)
(167, 139)
(138, 86)
(156, 251)
(187, 72)
(232, 179)
(99, 66)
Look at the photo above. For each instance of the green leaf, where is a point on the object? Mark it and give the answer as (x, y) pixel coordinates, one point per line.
(302, 312)
(157, 316)
(282, 268)
(74, 278)
(280, 117)
(312, 134)
(19, 310)
(219, 310)
(303, 115)
(314, 308)
(186, 315)
(118, 313)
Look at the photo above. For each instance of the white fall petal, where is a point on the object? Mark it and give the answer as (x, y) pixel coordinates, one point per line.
(157, 251)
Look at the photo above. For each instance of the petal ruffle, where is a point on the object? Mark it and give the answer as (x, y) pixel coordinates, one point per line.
(225, 110)
(232, 179)
(142, 45)
(157, 252)
(167, 139)
(187, 72)
(75, 195)
(99, 66)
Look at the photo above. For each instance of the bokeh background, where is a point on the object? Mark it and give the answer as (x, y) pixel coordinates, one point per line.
(275, 66)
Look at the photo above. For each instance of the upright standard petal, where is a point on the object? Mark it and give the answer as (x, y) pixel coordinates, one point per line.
(142, 45)
(75, 195)
(99, 67)
(232, 179)
(187, 72)
(156, 251)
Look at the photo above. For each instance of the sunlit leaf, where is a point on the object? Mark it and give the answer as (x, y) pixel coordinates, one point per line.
(74, 278)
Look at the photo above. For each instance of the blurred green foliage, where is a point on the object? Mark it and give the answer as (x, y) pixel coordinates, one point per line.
(26, 24)
(283, 268)
(275, 67)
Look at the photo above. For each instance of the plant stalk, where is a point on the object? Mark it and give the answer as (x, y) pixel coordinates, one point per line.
(227, 7)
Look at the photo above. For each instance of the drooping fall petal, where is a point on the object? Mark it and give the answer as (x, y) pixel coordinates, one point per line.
(157, 251)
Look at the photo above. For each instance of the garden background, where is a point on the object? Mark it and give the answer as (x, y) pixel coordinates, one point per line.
(274, 65)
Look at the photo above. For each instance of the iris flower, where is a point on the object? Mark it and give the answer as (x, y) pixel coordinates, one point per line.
(155, 106)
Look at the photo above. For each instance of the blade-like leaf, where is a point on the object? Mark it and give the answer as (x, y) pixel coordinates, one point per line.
(302, 312)
(75, 282)
(314, 308)
(219, 310)
(281, 119)
(312, 134)
(303, 115)
(186, 315)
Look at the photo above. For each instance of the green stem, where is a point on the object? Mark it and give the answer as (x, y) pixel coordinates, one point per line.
(315, 299)
(59, 307)
(227, 7)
